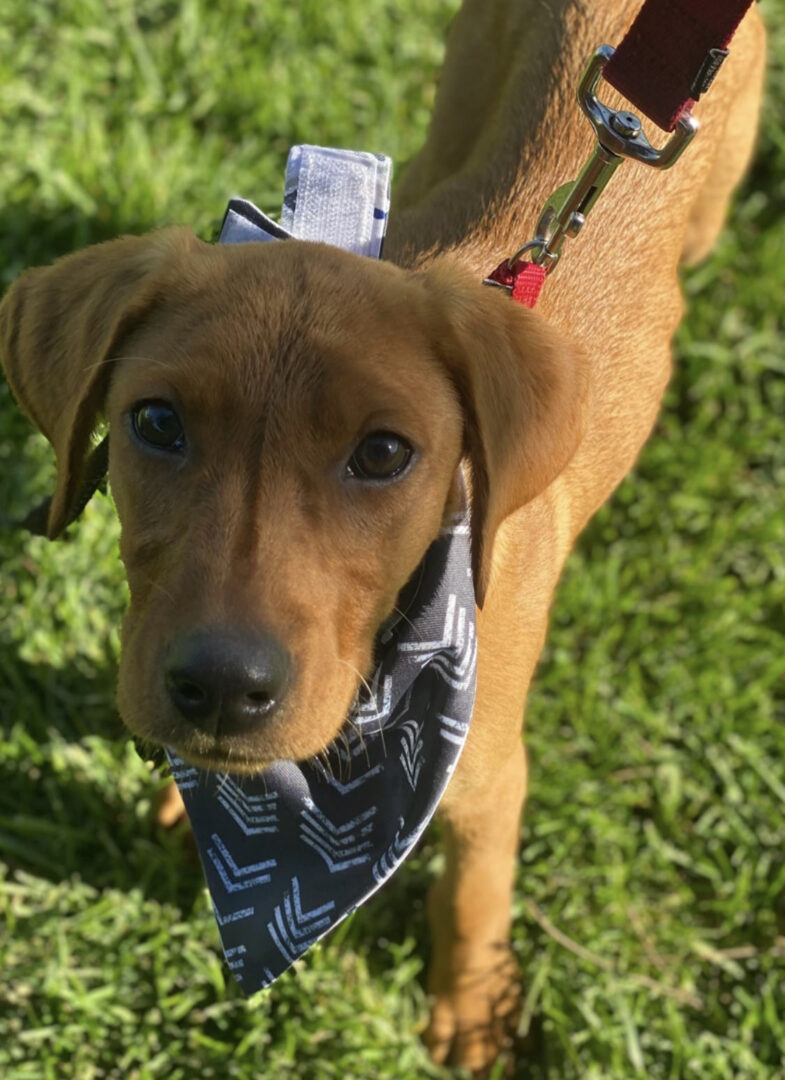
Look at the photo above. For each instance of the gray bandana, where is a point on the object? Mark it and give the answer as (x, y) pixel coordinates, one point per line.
(290, 852)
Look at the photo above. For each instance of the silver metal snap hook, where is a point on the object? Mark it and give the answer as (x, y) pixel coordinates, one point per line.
(619, 135)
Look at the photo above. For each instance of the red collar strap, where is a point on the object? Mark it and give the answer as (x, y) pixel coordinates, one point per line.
(667, 59)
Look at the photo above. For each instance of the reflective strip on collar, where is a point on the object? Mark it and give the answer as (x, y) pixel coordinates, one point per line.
(338, 197)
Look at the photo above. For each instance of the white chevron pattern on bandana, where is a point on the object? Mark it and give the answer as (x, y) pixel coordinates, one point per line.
(294, 930)
(236, 877)
(411, 751)
(235, 959)
(341, 846)
(255, 814)
(378, 707)
(395, 853)
(289, 853)
(185, 776)
(222, 920)
(350, 785)
(454, 655)
(454, 731)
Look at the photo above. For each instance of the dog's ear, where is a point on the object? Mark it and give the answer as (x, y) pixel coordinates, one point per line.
(61, 327)
(522, 386)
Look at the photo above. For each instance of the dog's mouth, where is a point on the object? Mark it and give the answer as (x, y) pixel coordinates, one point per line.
(225, 762)
(304, 728)
(218, 756)
(217, 759)
(228, 754)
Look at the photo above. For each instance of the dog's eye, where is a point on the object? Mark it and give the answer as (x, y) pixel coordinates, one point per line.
(380, 456)
(157, 424)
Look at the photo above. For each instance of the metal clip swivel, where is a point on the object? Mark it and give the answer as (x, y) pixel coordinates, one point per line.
(619, 136)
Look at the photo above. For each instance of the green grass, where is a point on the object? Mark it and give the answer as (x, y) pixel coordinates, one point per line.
(650, 912)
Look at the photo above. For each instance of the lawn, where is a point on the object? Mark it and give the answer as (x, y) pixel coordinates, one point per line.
(650, 911)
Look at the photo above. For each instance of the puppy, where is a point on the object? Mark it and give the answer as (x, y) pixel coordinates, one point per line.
(288, 423)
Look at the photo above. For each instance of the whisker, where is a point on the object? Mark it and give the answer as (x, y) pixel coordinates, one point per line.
(358, 673)
(343, 736)
(224, 780)
(327, 761)
(157, 585)
(115, 359)
(361, 736)
(380, 733)
(406, 618)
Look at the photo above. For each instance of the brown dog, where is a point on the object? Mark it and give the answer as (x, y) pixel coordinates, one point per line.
(288, 421)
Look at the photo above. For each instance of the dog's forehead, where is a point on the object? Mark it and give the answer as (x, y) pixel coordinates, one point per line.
(319, 298)
(275, 292)
(289, 327)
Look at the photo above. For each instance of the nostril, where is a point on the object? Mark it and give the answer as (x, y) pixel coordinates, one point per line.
(260, 699)
(192, 698)
(190, 691)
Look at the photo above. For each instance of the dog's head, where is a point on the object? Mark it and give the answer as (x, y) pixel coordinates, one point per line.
(287, 422)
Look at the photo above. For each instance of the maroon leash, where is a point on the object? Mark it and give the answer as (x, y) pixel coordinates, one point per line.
(671, 53)
(667, 59)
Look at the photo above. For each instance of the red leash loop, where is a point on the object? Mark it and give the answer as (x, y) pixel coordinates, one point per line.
(523, 280)
(671, 53)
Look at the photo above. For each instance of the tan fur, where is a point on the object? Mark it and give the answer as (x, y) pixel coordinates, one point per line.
(281, 357)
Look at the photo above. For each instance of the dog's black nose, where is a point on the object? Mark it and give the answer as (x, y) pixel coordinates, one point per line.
(226, 682)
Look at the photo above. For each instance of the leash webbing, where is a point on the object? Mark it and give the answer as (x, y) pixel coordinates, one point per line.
(671, 53)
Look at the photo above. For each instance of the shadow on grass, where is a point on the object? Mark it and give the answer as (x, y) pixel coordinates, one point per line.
(36, 239)
(75, 801)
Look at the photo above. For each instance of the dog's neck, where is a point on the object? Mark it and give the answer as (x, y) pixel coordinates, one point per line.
(487, 168)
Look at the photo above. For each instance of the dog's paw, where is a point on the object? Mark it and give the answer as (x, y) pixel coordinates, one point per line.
(473, 1020)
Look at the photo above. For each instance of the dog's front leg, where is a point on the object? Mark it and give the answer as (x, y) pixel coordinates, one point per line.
(473, 976)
